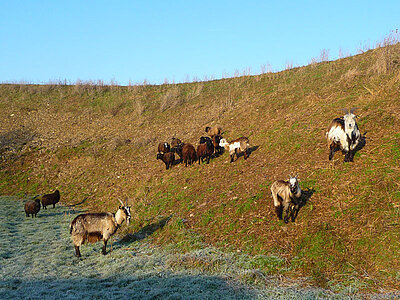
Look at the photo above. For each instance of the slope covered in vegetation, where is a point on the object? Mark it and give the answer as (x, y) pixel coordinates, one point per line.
(98, 143)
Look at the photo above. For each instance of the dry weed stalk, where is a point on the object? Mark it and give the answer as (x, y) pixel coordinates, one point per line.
(171, 99)
(350, 75)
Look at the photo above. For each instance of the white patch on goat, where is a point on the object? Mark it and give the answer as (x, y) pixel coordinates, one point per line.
(336, 134)
(233, 146)
(223, 143)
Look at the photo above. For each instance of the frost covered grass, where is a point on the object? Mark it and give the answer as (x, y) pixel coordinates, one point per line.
(38, 262)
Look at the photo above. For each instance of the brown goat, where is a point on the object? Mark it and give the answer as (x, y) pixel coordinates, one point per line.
(215, 140)
(32, 207)
(168, 158)
(205, 149)
(49, 199)
(164, 147)
(214, 130)
(175, 142)
(188, 154)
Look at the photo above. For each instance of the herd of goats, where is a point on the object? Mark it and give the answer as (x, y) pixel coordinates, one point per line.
(342, 134)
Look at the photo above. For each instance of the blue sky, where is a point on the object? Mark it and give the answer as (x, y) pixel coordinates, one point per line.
(42, 41)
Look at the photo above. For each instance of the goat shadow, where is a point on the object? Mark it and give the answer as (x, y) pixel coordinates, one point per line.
(50, 214)
(79, 203)
(177, 161)
(304, 198)
(361, 143)
(145, 231)
(249, 151)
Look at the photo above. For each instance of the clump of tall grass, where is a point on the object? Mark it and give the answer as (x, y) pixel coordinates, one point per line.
(388, 55)
(171, 98)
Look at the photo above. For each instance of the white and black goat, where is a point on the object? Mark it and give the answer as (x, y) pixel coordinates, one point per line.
(343, 134)
(93, 227)
(286, 195)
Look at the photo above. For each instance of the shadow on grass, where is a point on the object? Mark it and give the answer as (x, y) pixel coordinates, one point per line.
(79, 203)
(176, 162)
(145, 231)
(44, 214)
(249, 152)
(362, 143)
(15, 139)
(305, 197)
(151, 286)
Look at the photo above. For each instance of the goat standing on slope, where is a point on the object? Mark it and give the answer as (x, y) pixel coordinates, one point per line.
(205, 149)
(92, 227)
(286, 196)
(343, 134)
(240, 145)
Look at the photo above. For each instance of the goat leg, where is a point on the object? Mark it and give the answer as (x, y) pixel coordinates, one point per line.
(77, 252)
(287, 214)
(279, 211)
(294, 212)
(351, 155)
(347, 157)
(332, 149)
(104, 251)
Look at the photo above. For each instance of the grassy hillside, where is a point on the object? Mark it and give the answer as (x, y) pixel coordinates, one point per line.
(98, 143)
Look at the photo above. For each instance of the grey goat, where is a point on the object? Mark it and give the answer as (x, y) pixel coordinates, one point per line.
(92, 227)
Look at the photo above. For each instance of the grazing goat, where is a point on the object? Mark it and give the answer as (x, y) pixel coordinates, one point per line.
(286, 196)
(215, 140)
(92, 227)
(175, 142)
(168, 158)
(343, 134)
(187, 153)
(214, 130)
(164, 147)
(32, 207)
(49, 199)
(205, 149)
(235, 147)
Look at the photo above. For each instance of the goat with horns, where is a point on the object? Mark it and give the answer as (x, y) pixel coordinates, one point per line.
(92, 227)
(343, 134)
